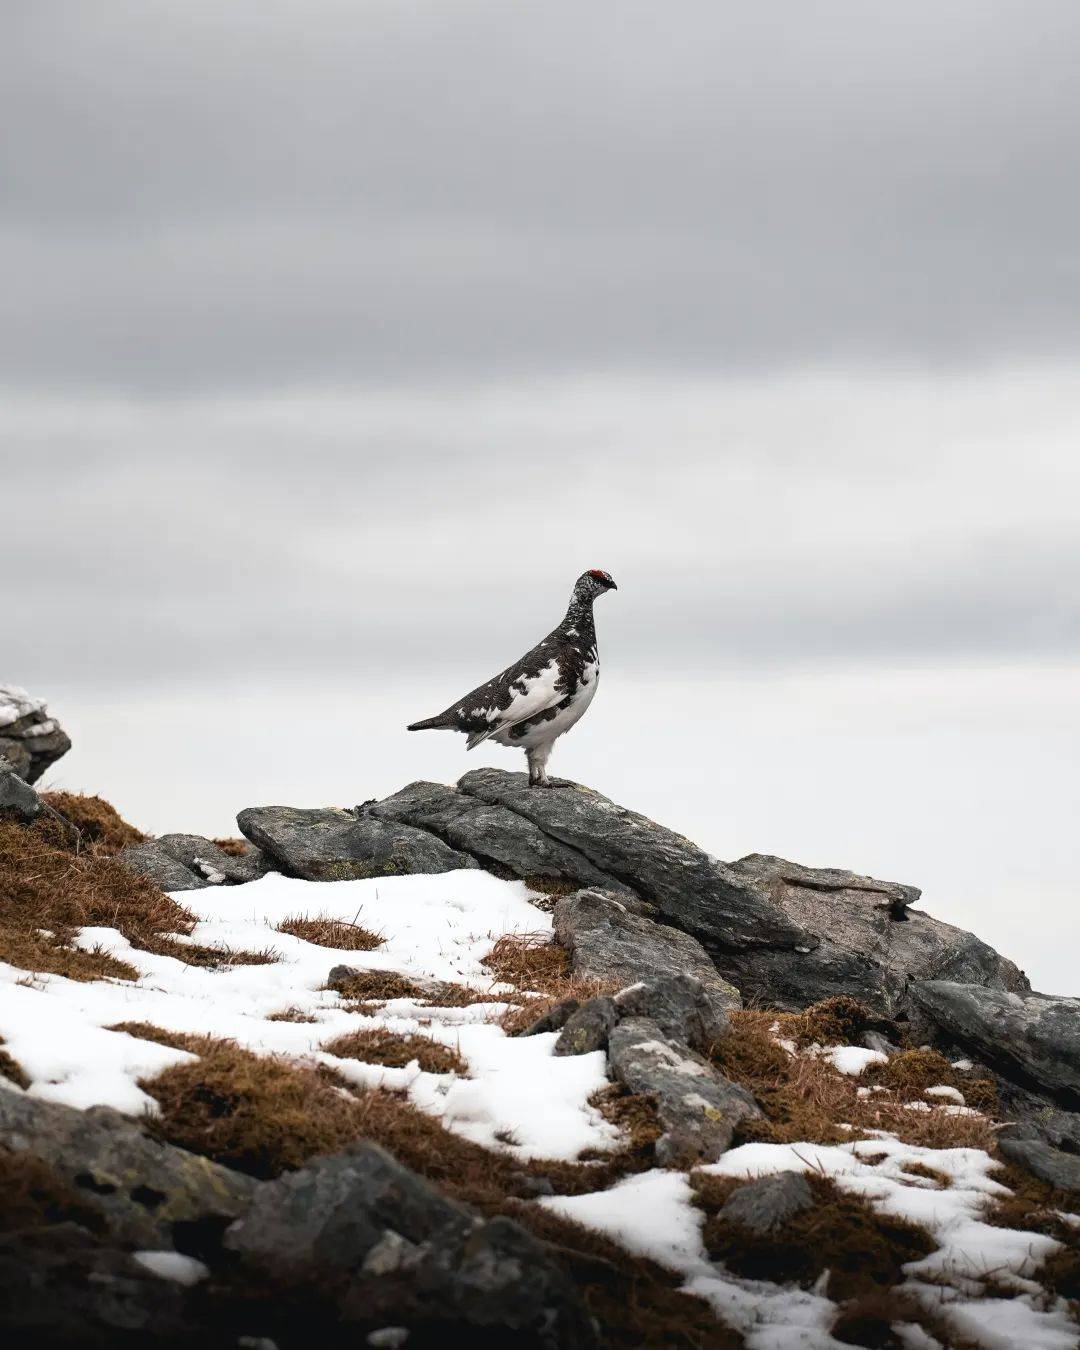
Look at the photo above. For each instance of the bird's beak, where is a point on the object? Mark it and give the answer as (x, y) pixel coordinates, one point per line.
(613, 587)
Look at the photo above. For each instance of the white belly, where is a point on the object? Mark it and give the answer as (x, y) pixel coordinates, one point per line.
(546, 732)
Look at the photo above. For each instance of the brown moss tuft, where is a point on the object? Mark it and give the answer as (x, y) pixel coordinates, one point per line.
(1061, 1273)
(235, 848)
(529, 961)
(209, 958)
(379, 1046)
(293, 1014)
(51, 885)
(634, 1116)
(176, 1040)
(911, 1072)
(335, 933)
(803, 1097)
(96, 820)
(869, 1320)
(833, 1021)
(377, 986)
(33, 1195)
(12, 1070)
(862, 1251)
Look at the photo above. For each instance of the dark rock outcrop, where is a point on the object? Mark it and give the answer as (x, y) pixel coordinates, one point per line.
(765, 1205)
(607, 942)
(30, 740)
(1032, 1038)
(697, 1106)
(188, 862)
(1060, 1169)
(682, 1006)
(17, 797)
(337, 845)
(866, 943)
(399, 1252)
(588, 1028)
(691, 890)
(150, 1194)
(490, 833)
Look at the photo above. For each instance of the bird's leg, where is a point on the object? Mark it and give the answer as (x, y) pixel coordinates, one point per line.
(537, 756)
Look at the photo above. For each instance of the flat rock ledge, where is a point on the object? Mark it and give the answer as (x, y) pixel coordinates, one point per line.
(30, 740)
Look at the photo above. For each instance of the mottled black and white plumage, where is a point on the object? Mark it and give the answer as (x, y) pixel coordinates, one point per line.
(540, 697)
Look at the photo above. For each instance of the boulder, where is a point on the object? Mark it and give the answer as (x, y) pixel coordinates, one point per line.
(588, 1028)
(213, 864)
(61, 1286)
(490, 833)
(338, 845)
(607, 942)
(30, 740)
(765, 1205)
(866, 943)
(398, 1252)
(682, 1006)
(553, 1020)
(697, 893)
(150, 860)
(697, 1106)
(1061, 1170)
(1033, 1038)
(17, 797)
(150, 1194)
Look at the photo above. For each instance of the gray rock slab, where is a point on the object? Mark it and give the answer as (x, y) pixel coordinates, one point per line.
(607, 942)
(1031, 1037)
(152, 861)
(867, 943)
(404, 1253)
(765, 1205)
(697, 1106)
(698, 893)
(554, 1019)
(17, 796)
(30, 739)
(1051, 1165)
(489, 832)
(682, 1006)
(213, 864)
(337, 845)
(588, 1028)
(148, 1192)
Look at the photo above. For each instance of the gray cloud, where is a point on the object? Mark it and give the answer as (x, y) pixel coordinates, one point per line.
(224, 196)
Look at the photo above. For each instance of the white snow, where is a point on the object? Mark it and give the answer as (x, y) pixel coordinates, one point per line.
(520, 1096)
(944, 1090)
(16, 703)
(172, 1266)
(852, 1059)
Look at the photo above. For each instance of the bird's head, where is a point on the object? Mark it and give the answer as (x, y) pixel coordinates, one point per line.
(593, 583)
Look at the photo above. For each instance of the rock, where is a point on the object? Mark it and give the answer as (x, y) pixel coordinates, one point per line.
(403, 1254)
(150, 860)
(588, 1029)
(765, 1205)
(60, 1286)
(697, 1106)
(17, 797)
(150, 1194)
(682, 1006)
(338, 845)
(866, 943)
(1034, 1038)
(607, 942)
(554, 1019)
(697, 893)
(490, 833)
(874, 1040)
(213, 864)
(30, 739)
(1061, 1170)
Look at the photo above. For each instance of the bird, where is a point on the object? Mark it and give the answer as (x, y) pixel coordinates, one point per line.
(540, 697)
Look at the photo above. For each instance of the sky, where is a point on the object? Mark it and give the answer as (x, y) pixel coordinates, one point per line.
(338, 338)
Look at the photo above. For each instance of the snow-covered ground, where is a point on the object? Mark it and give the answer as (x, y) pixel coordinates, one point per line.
(517, 1096)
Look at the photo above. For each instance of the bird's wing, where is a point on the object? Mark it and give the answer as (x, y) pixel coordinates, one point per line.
(531, 695)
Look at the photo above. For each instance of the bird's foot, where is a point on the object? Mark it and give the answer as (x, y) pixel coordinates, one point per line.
(540, 781)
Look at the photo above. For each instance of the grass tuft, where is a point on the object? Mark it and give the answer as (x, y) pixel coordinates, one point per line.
(326, 932)
(378, 1046)
(97, 821)
(529, 961)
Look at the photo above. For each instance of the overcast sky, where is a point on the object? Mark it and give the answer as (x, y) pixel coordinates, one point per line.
(336, 339)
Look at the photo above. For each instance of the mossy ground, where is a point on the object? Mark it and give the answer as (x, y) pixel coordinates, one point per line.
(395, 1051)
(327, 932)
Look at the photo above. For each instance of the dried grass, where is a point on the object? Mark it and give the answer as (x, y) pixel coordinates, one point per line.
(96, 820)
(235, 848)
(11, 1069)
(326, 932)
(292, 1014)
(529, 961)
(909, 1073)
(379, 1046)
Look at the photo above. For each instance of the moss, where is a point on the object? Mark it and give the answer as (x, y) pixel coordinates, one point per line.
(834, 1021)
(634, 1116)
(334, 933)
(377, 985)
(528, 961)
(209, 958)
(293, 1014)
(911, 1072)
(96, 820)
(378, 1046)
(862, 1251)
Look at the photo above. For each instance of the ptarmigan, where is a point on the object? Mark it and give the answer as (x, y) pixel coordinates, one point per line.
(539, 698)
